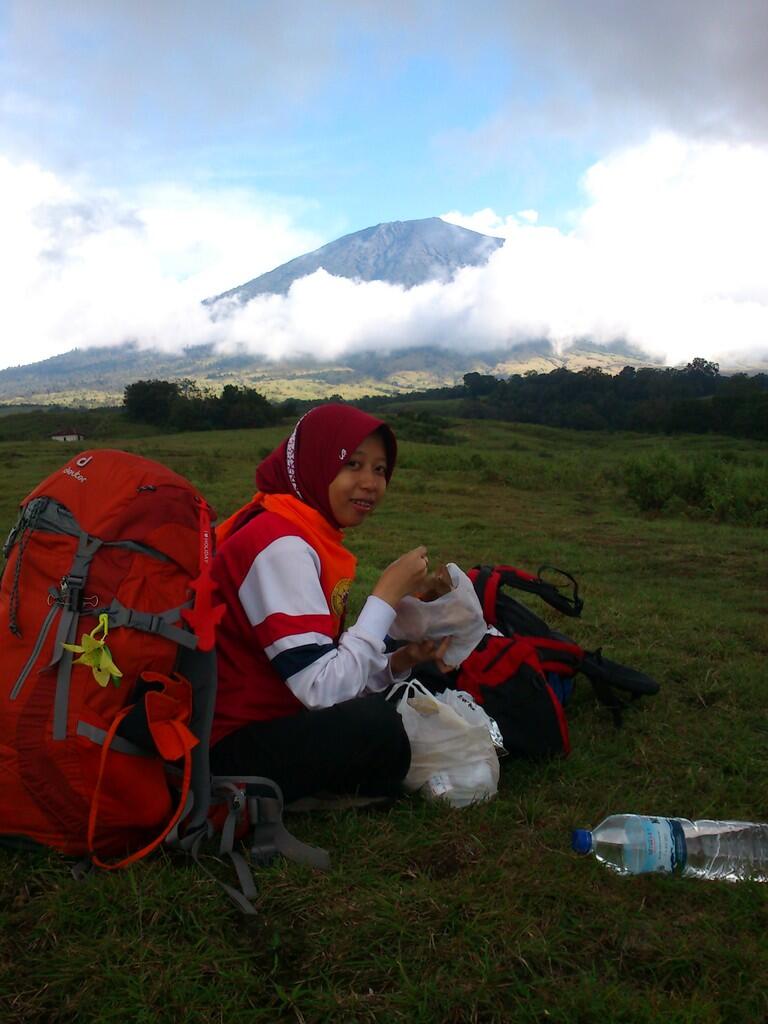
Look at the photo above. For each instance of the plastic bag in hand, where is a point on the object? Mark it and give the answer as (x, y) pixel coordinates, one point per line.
(457, 614)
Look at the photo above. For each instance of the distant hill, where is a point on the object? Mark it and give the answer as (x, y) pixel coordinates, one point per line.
(98, 376)
(405, 252)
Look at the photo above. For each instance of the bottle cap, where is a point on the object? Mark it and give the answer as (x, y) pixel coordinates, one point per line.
(581, 840)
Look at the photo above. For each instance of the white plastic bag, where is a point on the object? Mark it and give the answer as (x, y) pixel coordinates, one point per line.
(457, 614)
(464, 705)
(452, 759)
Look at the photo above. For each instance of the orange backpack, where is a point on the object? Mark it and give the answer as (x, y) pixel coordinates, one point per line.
(102, 674)
(108, 676)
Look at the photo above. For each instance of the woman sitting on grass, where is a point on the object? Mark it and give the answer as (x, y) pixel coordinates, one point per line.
(299, 698)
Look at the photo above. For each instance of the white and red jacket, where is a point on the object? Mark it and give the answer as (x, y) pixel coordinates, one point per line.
(280, 647)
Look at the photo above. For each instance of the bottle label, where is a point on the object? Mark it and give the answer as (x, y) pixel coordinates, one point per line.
(662, 844)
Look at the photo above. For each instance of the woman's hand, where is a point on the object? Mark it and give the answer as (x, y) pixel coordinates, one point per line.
(404, 658)
(404, 576)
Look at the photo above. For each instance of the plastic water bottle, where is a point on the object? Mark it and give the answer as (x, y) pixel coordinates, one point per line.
(632, 844)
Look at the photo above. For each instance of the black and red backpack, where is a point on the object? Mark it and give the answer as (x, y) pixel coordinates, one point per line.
(522, 672)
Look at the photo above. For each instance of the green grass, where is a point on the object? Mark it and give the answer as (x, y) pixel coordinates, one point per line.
(481, 915)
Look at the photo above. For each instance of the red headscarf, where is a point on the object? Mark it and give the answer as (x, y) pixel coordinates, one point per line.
(307, 462)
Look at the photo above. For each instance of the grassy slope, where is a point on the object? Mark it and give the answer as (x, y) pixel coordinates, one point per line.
(480, 915)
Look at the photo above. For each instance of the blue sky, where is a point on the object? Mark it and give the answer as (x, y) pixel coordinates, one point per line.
(372, 120)
(151, 154)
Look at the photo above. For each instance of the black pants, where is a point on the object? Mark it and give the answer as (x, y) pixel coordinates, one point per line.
(357, 747)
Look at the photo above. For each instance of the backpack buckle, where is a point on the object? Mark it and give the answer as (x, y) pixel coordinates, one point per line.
(71, 591)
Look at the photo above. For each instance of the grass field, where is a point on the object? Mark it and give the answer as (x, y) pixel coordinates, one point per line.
(481, 915)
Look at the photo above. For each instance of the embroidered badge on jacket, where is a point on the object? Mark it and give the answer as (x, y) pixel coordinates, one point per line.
(339, 597)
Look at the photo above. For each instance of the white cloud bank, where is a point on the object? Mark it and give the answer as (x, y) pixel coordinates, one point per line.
(80, 268)
(668, 253)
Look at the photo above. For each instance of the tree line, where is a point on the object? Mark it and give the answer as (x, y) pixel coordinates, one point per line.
(693, 399)
(183, 405)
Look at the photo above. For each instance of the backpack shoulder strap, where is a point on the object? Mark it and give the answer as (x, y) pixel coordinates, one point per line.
(258, 802)
(488, 579)
(485, 580)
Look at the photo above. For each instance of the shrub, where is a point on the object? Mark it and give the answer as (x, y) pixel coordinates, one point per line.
(422, 426)
(710, 486)
(651, 483)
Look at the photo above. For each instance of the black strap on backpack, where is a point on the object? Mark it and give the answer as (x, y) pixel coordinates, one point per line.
(608, 676)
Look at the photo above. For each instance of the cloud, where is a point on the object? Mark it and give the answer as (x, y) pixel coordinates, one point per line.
(668, 254)
(591, 77)
(82, 267)
(181, 82)
(85, 80)
(694, 66)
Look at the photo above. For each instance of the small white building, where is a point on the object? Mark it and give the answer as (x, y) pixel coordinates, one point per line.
(70, 434)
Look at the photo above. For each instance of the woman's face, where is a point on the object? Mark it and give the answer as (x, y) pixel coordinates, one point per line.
(360, 484)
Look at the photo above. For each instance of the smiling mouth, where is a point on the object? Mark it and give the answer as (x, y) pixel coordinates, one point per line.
(364, 506)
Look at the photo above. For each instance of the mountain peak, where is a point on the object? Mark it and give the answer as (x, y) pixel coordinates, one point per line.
(404, 252)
